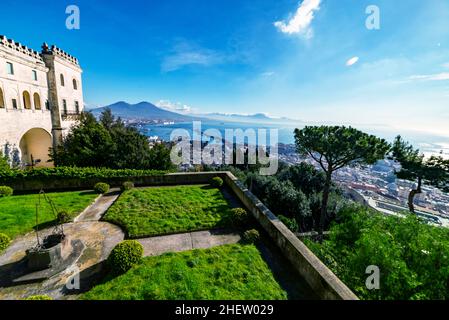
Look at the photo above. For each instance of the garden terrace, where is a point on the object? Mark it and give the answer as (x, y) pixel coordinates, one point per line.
(303, 264)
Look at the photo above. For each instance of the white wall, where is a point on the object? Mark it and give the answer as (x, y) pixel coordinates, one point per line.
(14, 123)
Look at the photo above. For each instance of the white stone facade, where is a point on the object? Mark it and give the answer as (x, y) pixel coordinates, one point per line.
(41, 97)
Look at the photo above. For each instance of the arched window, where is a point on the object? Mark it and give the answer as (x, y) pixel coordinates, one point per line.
(2, 99)
(26, 100)
(37, 101)
(61, 76)
(75, 85)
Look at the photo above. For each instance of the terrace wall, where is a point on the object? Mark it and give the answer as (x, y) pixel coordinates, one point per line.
(320, 278)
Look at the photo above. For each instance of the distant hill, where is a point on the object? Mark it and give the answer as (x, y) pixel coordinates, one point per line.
(256, 118)
(142, 111)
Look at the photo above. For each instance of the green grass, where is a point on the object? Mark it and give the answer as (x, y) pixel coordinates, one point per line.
(231, 272)
(162, 210)
(18, 213)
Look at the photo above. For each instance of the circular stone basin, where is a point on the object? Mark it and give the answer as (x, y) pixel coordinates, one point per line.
(55, 248)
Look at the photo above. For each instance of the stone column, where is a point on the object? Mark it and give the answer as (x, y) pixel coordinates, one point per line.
(53, 99)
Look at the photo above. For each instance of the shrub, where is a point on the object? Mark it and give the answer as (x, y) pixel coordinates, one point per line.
(63, 217)
(4, 241)
(289, 223)
(251, 236)
(124, 256)
(216, 182)
(39, 297)
(128, 185)
(6, 191)
(239, 216)
(101, 187)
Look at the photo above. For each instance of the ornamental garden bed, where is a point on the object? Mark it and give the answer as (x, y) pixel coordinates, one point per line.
(230, 272)
(155, 211)
(18, 212)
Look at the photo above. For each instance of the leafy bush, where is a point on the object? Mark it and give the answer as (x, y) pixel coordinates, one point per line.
(124, 256)
(39, 297)
(251, 236)
(289, 223)
(239, 216)
(4, 241)
(101, 187)
(128, 185)
(412, 256)
(64, 173)
(216, 182)
(6, 191)
(63, 217)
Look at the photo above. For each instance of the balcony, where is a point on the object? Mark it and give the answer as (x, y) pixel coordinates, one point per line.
(70, 116)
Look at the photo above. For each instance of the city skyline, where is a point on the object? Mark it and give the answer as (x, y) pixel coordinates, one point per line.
(313, 60)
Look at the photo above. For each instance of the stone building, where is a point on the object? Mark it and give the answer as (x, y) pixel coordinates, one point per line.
(41, 97)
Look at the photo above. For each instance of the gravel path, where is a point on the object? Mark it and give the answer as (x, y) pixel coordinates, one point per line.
(96, 211)
(155, 246)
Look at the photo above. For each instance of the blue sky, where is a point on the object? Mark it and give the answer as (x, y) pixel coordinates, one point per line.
(284, 57)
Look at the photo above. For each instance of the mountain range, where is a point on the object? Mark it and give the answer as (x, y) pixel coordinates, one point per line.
(141, 111)
(148, 111)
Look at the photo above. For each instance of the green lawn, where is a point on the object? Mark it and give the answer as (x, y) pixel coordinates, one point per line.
(161, 210)
(18, 213)
(231, 272)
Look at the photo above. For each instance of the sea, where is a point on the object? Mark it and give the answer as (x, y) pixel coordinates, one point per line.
(429, 144)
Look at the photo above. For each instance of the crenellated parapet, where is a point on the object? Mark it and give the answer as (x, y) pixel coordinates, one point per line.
(18, 47)
(54, 50)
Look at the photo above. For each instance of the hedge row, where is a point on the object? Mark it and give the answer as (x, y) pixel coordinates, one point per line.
(74, 173)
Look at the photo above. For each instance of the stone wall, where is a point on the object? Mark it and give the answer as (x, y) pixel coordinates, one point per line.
(321, 279)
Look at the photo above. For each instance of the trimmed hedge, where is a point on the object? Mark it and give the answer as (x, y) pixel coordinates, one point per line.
(251, 236)
(101, 187)
(124, 256)
(239, 216)
(127, 185)
(216, 182)
(4, 241)
(75, 173)
(6, 191)
(63, 217)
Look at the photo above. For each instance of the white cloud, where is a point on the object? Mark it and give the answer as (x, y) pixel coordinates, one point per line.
(174, 106)
(267, 74)
(430, 77)
(185, 54)
(301, 22)
(352, 61)
(445, 65)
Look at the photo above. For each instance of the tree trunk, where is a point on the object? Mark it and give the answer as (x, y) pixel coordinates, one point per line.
(324, 202)
(412, 195)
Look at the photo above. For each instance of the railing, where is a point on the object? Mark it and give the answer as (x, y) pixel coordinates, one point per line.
(70, 116)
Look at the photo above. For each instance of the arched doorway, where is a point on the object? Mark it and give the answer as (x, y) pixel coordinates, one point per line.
(34, 146)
